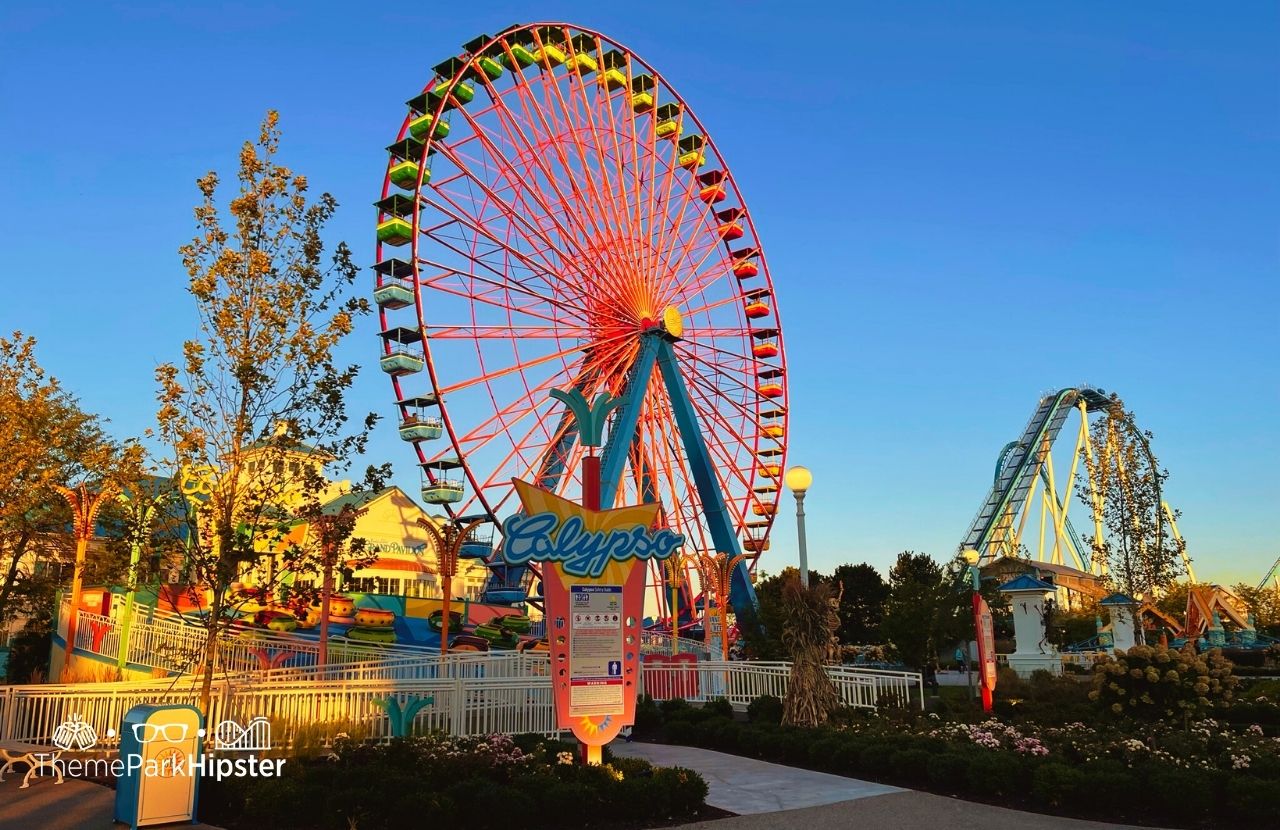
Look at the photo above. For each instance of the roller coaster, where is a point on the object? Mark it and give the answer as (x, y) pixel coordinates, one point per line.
(1025, 468)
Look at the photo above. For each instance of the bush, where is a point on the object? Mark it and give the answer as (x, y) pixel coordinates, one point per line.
(1110, 784)
(648, 716)
(911, 765)
(1251, 799)
(996, 773)
(765, 709)
(494, 782)
(1156, 683)
(1179, 793)
(1056, 785)
(947, 770)
(720, 707)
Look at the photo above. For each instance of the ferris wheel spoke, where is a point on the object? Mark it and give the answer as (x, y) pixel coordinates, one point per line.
(522, 226)
(530, 105)
(519, 176)
(544, 267)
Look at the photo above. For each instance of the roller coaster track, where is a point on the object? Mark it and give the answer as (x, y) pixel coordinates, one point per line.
(993, 533)
(1020, 464)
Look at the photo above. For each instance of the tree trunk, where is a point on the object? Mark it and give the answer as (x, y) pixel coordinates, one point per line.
(210, 654)
(326, 591)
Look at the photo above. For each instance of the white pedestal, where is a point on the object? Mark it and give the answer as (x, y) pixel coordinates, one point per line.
(1024, 664)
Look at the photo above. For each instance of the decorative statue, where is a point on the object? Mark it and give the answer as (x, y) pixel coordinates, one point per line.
(833, 624)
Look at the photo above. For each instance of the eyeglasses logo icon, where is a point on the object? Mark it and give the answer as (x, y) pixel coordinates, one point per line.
(171, 732)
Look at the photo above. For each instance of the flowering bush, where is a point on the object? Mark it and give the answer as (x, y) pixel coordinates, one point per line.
(1176, 772)
(1160, 683)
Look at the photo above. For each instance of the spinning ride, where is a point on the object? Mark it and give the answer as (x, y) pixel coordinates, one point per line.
(554, 216)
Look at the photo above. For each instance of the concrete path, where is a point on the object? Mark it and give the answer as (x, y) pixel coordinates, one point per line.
(748, 786)
(767, 796)
(71, 805)
(903, 810)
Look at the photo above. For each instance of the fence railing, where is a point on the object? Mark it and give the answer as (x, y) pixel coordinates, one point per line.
(742, 682)
(305, 712)
(466, 695)
(171, 645)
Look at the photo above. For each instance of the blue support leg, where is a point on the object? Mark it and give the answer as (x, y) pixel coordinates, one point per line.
(742, 595)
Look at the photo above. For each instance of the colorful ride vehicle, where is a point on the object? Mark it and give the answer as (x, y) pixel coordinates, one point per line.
(435, 620)
(274, 620)
(539, 645)
(371, 635)
(469, 642)
(374, 618)
(518, 623)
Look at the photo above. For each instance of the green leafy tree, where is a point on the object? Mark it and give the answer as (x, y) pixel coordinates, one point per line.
(1263, 603)
(260, 384)
(762, 629)
(925, 609)
(861, 603)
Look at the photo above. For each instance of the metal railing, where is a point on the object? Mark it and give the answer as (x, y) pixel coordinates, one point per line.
(298, 711)
(742, 682)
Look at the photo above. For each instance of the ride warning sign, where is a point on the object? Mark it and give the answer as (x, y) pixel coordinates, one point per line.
(595, 650)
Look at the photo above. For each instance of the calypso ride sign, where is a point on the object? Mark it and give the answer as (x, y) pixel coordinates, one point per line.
(594, 564)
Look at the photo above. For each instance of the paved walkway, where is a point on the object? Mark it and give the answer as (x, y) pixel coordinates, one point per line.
(747, 785)
(767, 796)
(71, 805)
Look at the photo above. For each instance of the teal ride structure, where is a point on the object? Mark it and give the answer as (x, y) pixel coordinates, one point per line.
(553, 216)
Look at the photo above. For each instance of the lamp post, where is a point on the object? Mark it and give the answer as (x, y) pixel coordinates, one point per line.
(142, 509)
(448, 541)
(84, 510)
(799, 479)
(715, 572)
(675, 568)
(982, 629)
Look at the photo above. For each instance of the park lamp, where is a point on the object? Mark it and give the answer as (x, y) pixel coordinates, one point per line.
(971, 557)
(798, 479)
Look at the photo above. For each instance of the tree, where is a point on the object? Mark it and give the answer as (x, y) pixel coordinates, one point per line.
(861, 603)
(46, 440)
(811, 696)
(257, 405)
(1263, 603)
(1123, 482)
(762, 629)
(930, 607)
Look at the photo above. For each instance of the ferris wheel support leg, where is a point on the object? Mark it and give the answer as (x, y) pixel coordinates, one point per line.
(741, 595)
(623, 430)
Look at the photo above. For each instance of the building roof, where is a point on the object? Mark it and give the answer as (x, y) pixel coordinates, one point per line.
(383, 563)
(1026, 582)
(356, 500)
(1118, 599)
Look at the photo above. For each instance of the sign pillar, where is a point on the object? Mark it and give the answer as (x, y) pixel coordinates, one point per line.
(986, 649)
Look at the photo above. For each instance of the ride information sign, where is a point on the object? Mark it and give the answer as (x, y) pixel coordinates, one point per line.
(595, 650)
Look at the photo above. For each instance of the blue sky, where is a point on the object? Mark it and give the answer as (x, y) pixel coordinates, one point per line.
(963, 206)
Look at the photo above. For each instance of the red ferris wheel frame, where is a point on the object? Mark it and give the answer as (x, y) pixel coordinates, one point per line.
(595, 300)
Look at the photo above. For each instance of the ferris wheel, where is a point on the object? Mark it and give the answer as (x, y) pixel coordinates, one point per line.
(554, 216)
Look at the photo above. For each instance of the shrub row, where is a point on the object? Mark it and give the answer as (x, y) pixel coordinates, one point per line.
(391, 787)
(1087, 787)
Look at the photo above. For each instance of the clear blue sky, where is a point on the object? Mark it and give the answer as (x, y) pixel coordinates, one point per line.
(963, 205)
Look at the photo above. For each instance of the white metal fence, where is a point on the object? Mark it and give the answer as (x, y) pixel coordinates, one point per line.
(742, 682)
(462, 695)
